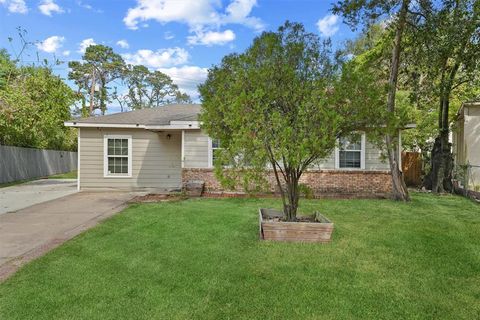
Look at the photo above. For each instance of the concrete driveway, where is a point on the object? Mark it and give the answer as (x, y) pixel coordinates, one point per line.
(27, 194)
(30, 232)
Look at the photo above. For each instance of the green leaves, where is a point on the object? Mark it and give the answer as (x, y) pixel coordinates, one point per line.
(144, 88)
(147, 89)
(100, 66)
(34, 103)
(272, 107)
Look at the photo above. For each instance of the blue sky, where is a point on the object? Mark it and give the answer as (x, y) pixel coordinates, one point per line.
(182, 38)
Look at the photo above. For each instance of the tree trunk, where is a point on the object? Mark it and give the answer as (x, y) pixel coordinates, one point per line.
(92, 92)
(103, 95)
(291, 205)
(439, 179)
(399, 188)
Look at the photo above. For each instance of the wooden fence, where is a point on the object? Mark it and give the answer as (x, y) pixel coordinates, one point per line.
(412, 168)
(18, 163)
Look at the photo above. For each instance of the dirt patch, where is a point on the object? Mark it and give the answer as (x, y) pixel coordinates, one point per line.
(153, 197)
(272, 215)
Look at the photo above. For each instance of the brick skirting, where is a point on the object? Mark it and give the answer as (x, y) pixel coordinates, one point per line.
(324, 183)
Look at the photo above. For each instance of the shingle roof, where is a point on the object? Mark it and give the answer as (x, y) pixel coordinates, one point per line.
(151, 116)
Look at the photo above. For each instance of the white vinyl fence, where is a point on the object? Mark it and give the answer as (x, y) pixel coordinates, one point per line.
(18, 163)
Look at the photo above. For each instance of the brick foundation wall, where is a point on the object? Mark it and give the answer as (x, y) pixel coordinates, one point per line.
(331, 183)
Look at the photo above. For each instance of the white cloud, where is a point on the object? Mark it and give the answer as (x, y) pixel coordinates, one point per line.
(328, 25)
(88, 6)
(238, 11)
(193, 12)
(168, 35)
(51, 44)
(123, 44)
(85, 44)
(187, 78)
(66, 53)
(211, 38)
(84, 5)
(15, 6)
(202, 16)
(158, 59)
(47, 7)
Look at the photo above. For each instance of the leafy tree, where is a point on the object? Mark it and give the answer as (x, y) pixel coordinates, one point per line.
(273, 107)
(7, 68)
(368, 11)
(80, 74)
(147, 89)
(445, 68)
(368, 40)
(100, 66)
(34, 103)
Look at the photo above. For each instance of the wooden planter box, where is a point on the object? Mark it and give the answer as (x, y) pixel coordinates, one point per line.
(293, 231)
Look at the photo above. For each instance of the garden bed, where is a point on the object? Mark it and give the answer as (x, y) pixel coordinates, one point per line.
(314, 228)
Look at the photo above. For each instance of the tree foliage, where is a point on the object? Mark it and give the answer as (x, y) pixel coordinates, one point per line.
(135, 86)
(444, 61)
(100, 66)
(273, 107)
(34, 103)
(148, 89)
(368, 12)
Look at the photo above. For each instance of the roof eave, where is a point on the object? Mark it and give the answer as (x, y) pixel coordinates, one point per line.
(184, 125)
(101, 125)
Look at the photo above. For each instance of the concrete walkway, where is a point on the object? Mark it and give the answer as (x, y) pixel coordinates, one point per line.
(30, 232)
(27, 194)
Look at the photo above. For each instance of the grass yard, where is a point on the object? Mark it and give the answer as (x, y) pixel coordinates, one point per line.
(201, 259)
(68, 175)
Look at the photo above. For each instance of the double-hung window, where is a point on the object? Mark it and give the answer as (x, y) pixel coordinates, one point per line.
(215, 147)
(117, 156)
(351, 152)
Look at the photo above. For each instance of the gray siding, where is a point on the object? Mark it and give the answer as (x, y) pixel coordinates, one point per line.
(195, 149)
(196, 154)
(472, 143)
(156, 160)
(327, 163)
(373, 158)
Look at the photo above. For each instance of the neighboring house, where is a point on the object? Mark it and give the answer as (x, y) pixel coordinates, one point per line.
(163, 148)
(466, 142)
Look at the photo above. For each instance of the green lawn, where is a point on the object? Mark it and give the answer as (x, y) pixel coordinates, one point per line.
(201, 259)
(68, 175)
(13, 183)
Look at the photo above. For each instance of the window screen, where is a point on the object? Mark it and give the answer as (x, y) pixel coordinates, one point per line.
(117, 155)
(215, 149)
(350, 152)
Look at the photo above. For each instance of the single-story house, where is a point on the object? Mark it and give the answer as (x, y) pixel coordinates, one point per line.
(160, 149)
(466, 142)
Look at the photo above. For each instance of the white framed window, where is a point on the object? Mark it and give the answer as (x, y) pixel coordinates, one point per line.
(214, 147)
(350, 153)
(117, 156)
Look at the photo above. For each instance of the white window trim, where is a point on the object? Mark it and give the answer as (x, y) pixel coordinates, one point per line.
(183, 149)
(105, 156)
(362, 155)
(210, 153)
(78, 160)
